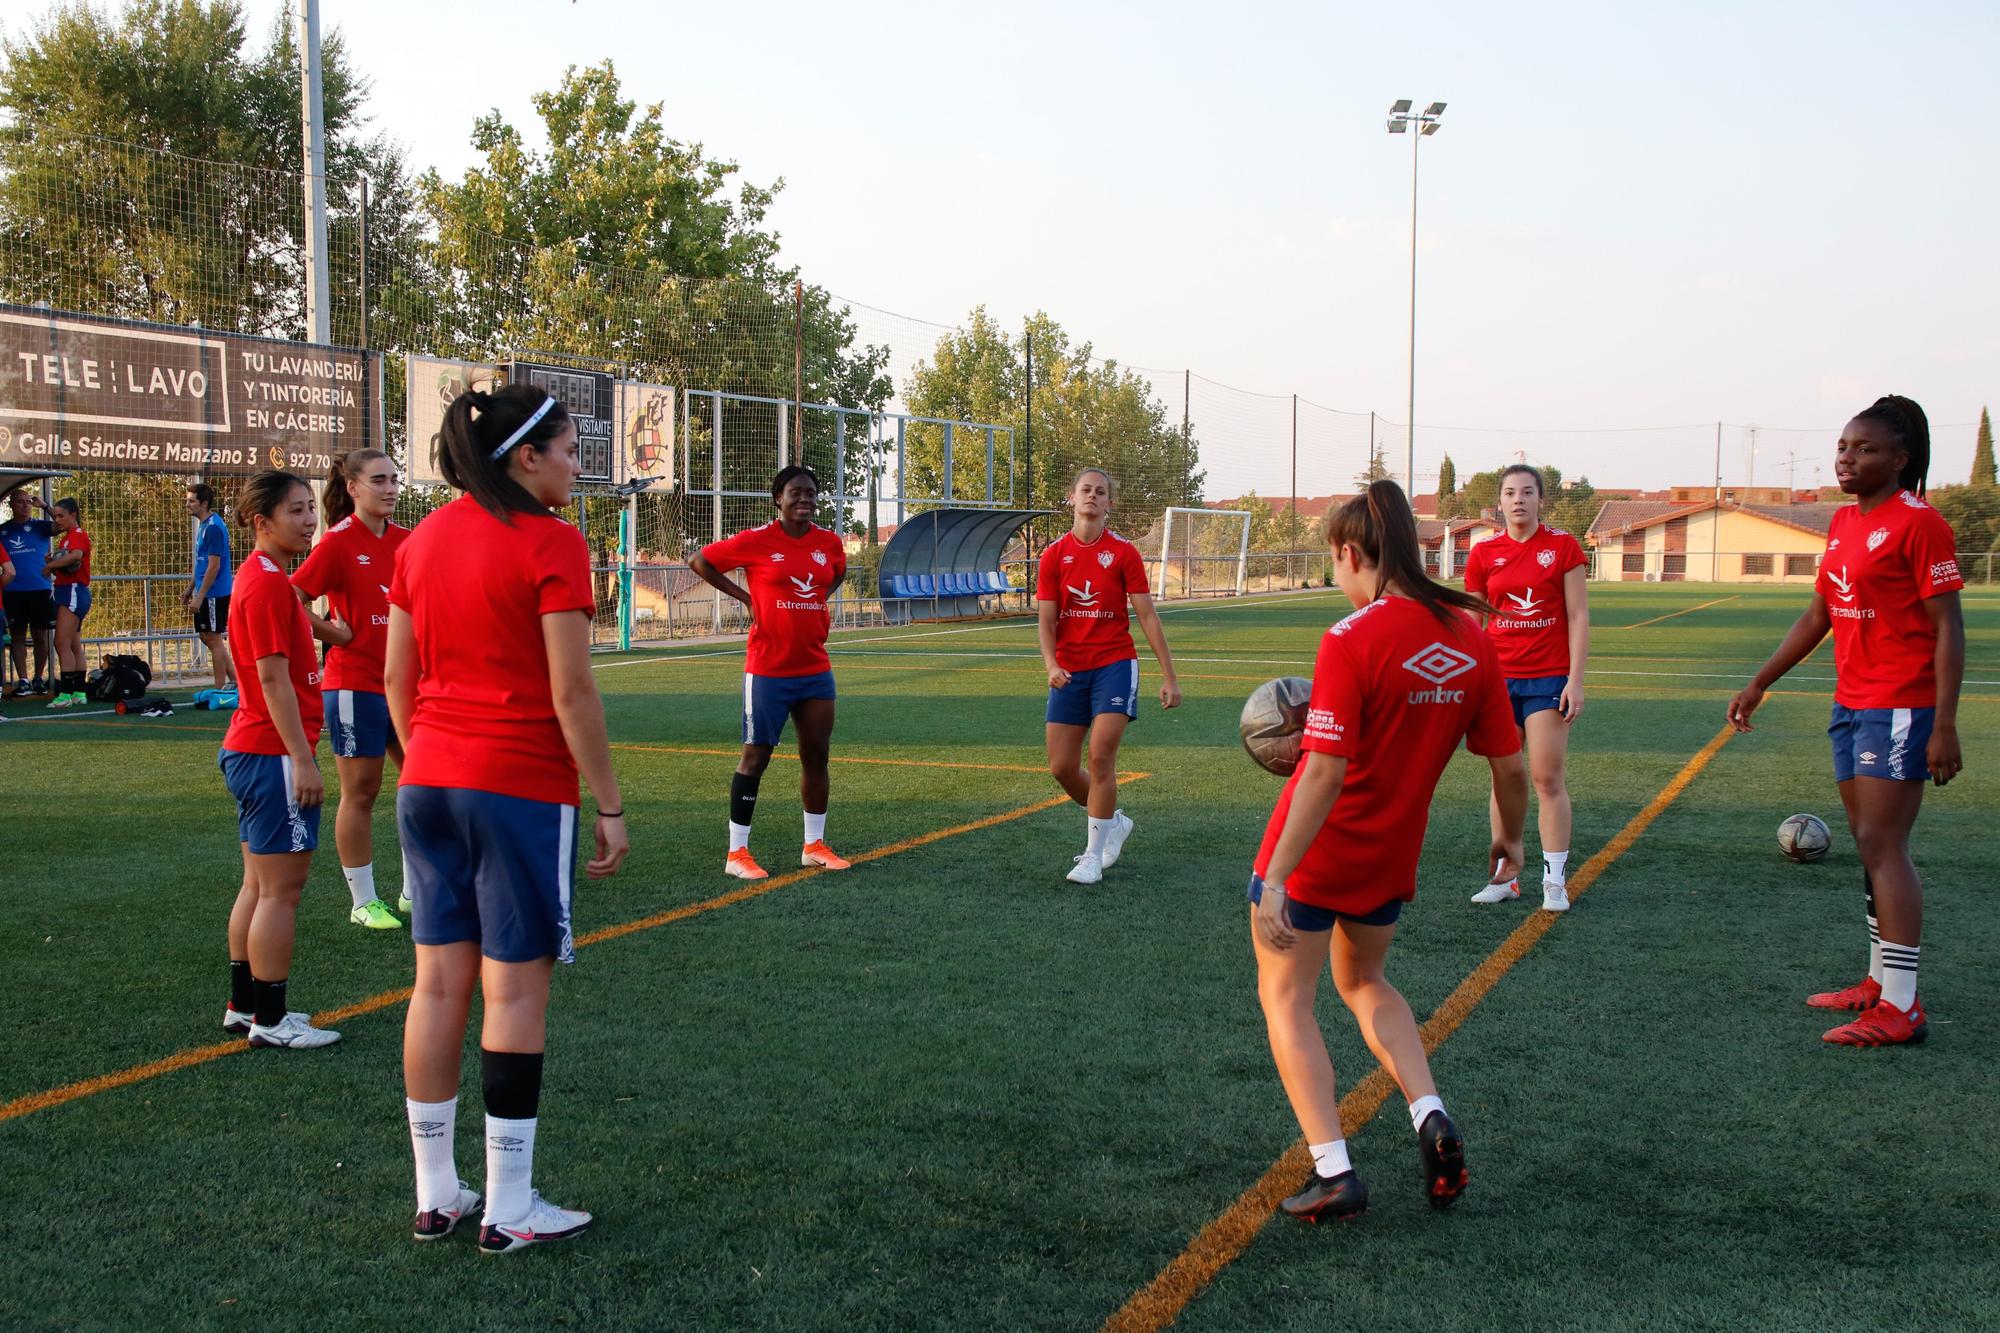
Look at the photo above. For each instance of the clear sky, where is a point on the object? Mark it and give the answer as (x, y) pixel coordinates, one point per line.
(1658, 215)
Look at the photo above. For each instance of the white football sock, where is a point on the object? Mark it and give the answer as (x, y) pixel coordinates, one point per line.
(739, 836)
(1100, 829)
(1330, 1159)
(510, 1169)
(1875, 950)
(815, 826)
(1422, 1107)
(361, 886)
(1555, 866)
(431, 1126)
(1899, 974)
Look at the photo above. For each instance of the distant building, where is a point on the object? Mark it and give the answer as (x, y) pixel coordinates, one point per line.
(1749, 535)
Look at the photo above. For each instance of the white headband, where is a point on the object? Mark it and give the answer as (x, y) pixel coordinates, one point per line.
(524, 428)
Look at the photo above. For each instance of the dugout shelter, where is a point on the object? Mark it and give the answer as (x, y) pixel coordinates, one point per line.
(942, 563)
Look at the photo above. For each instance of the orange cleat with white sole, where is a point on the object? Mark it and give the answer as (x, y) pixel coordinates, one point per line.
(823, 856)
(1883, 1025)
(1864, 994)
(743, 865)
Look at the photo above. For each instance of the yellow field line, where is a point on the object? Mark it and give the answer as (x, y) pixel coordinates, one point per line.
(1685, 611)
(1217, 1245)
(199, 1055)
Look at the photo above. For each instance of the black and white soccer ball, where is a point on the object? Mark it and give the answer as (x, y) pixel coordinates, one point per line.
(1804, 838)
(1274, 723)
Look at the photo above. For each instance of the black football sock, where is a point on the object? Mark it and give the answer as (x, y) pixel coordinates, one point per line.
(512, 1082)
(742, 797)
(269, 998)
(1874, 928)
(240, 997)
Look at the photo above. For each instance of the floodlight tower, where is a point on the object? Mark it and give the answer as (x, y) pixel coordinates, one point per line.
(1402, 120)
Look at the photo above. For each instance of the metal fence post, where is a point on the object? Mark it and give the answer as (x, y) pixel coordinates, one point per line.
(902, 472)
(716, 595)
(989, 465)
(947, 491)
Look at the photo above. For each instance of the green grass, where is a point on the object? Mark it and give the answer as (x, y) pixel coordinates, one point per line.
(948, 1090)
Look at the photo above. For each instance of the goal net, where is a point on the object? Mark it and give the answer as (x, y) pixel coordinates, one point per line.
(1198, 552)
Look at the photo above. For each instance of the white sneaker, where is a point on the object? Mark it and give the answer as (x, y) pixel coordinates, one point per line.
(1114, 840)
(1089, 869)
(1499, 893)
(544, 1222)
(1555, 895)
(294, 1032)
(436, 1223)
(236, 1022)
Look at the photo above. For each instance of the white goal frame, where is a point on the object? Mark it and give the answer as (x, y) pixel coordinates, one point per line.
(1167, 542)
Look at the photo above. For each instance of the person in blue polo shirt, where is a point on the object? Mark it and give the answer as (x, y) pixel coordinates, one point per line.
(207, 595)
(29, 600)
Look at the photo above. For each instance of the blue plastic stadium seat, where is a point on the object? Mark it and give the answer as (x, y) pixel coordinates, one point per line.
(925, 584)
(995, 581)
(961, 585)
(899, 585)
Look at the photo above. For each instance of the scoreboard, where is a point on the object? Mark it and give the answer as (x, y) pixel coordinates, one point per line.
(589, 398)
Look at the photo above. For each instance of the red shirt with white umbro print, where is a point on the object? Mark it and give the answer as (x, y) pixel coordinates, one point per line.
(1394, 690)
(789, 578)
(1091, 584)
(1524, 582)
(1878, 571)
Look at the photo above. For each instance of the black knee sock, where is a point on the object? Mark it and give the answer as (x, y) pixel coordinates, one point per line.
(268, 997)
(512, 1082)
(240, 997)
(1868, 893)
(743, 797)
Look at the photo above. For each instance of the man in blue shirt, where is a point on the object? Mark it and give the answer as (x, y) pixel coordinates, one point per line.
(207, 594)
(30, 603)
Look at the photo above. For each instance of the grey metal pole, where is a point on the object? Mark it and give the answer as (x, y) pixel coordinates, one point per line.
(311, 111)
(364, 261)
(1410, 448)
(1715, 555)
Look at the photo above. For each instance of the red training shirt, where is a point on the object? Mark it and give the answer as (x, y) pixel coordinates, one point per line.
(266, 620)
(1091, 583)
(76, 539)
(1524, 580)
(1878, 570)
(1393, 690)
(351, 567)
(476, 590)
(789, 578)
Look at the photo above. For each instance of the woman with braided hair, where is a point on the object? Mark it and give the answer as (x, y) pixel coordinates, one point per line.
(1888, 590)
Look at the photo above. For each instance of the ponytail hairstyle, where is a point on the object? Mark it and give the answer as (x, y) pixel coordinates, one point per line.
(337, 500)
(264, 494)
(1913, 432)
(480, 429)
(1380, 523)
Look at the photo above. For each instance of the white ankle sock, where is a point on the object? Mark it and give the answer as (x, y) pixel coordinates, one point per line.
(1875, 950)
(1422, 1107)
(510, 1169)
(360, 882)
(1899, 974)
(431, 1126)
(815, 826)
(739, 836)
(1555, 866)
(1100, 829)
(1330, 1159)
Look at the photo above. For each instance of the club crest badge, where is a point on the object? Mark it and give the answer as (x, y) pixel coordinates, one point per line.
(1877, 537)
(1104, 558)
(1546, 558)
(819, 557)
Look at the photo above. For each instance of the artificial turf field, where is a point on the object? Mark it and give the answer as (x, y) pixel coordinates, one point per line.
(948, 1090)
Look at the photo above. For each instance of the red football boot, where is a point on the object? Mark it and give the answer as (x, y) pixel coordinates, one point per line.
(1864, 994)
(1883, 1025)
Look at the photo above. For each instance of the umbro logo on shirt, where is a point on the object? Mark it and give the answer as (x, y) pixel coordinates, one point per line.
(1438, 664)
(777, 557)
(265, 560)
(360, 559)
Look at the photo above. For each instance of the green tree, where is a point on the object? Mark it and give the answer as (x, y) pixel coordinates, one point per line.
(621, 244)
(1982, 452)
(205, 227)
(1088, 412)
(1377, 469)
(1447, 483)
(1973, 512)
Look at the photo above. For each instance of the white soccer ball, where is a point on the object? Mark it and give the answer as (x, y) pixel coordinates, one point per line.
(1804, 838)
(1274, 723)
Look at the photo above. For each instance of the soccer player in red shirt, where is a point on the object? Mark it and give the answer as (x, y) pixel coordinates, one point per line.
(1395, 687)
(69, 570)
(1534, 577)
(1888, 589)
(267, 760)
(352, 567)
(489, 684)
(1084, 583)
(793, 567)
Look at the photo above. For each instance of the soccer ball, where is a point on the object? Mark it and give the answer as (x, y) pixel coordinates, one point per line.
(1274, 723)
(1804, 838)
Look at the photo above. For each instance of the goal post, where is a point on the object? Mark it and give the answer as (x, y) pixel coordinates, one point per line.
(1203, 552)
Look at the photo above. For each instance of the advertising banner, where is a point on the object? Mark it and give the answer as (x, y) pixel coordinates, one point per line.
(646, 433)
(432, 383)
(80, 392)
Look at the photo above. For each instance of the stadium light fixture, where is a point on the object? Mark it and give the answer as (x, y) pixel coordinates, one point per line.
(1401, 120)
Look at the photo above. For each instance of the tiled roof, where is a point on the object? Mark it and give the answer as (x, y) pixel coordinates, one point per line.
(1621, 516)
